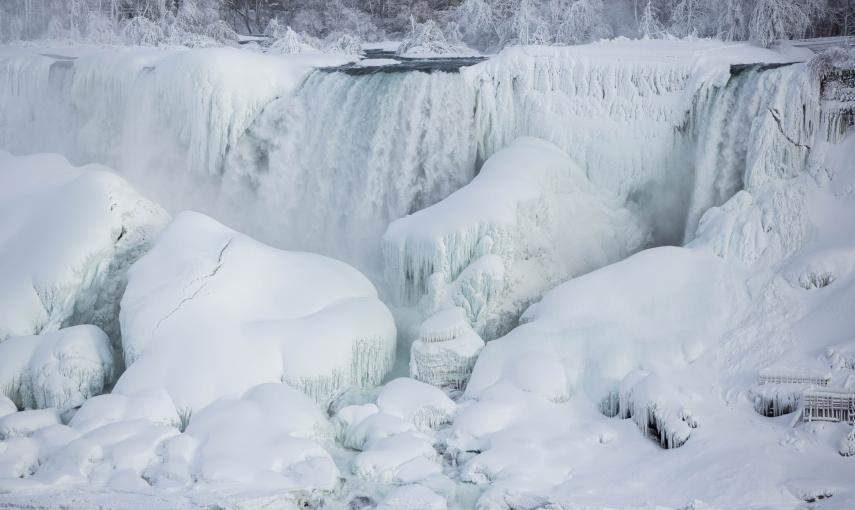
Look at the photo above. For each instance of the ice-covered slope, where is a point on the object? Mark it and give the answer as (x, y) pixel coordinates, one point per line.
(530, 220)
(210, 312)
(67, 237)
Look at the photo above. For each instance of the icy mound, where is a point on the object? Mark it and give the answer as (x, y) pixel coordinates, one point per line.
(133, 442)
(67, 238)
(266, 438)
(58, 369)
(445, 351)
(210, 312)
(656, 309)
(537, 221)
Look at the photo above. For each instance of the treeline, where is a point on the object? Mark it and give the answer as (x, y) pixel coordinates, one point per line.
(486, 25)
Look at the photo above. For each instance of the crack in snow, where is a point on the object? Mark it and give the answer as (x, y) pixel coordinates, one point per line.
(777, 117)
(208, 276)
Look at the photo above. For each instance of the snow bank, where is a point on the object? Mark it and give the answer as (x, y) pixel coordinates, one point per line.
(538, 221)
(59, 369)
(446, 350)
(67, 238)
(413, 496)
(207, 299)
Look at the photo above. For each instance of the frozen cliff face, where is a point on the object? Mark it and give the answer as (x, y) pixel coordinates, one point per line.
(537, 221)
(57, 369)
(445, 351)
(67, 237)
(209, 312)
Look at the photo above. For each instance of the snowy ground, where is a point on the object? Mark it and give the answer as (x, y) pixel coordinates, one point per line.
(618, 372)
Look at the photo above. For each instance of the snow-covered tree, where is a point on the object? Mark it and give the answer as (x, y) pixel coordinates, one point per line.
(780, 19)
(582, 22)
(649, 25)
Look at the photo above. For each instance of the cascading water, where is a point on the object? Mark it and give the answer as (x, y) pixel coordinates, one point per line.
(347, 154)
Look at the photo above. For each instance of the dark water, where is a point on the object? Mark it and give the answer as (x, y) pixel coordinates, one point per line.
(406, 64)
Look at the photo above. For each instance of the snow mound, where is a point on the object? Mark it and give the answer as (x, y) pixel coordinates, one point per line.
(591, 332)
(207, 299)
(446, 350)
(539, 221)
(152, 405)
(266, 437)
(397, 459)
(423, 405)
(57, 369)
(67, 238)
(24, 423)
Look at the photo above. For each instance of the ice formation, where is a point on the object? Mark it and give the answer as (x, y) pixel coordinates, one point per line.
(67, 238)
(59, 369)
(654, 406)
(421, 404)
(207, 299)
(539, 221)
(446, 350)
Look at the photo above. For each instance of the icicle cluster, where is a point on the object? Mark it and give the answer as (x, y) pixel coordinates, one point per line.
(445, 351)
(653, 406)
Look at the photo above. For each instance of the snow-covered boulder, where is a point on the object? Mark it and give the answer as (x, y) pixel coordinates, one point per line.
(210, 312)
(267, 437)
(401, 458)
(24, 423)
(67, 238)
(528, 221)
(446, 350)
(421, 404)
(658, 309)
(57, 369)
(152, 405)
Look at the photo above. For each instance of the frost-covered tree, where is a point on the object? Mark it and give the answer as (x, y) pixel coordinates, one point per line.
(582, 21)
(781, 19)
(648, 23)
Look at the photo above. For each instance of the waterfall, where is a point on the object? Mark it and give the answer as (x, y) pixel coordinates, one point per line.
(347, 154)
(325, 160)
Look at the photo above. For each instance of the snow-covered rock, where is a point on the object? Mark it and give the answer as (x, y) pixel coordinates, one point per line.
(266, 437)
(446, 350)
(67, 238)
(397, 459)
(152, 405)
(528, 221)
(421, 404)
(57, 369)
(210, 312)
(24, 423)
